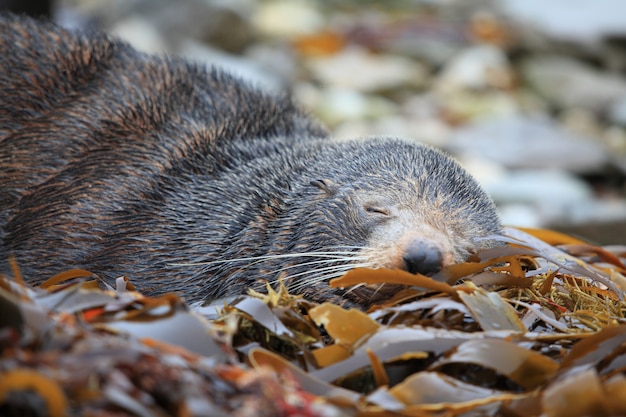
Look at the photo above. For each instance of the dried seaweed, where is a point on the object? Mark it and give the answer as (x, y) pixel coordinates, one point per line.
(533, 327)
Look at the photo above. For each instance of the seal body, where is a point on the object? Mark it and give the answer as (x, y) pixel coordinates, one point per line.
(188, 180)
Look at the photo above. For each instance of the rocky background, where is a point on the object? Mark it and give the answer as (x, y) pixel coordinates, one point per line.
(530, 95)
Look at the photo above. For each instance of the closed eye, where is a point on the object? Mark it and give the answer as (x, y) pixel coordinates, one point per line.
(377, 210)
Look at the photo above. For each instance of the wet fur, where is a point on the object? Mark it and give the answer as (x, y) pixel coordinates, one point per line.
(176, 176)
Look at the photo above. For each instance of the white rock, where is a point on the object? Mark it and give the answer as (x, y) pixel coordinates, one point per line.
(140, 33)
(279, 61)
(540, 187)
(484, 170)
(520, 215)
(357, 69)
(307, 95)
(582, 213)
(472, 105)
(431, 132)
(529, 187)
(338, 105)
(539, 198)
(531, 198)
(583, 20)
(352, 129)
(590, 211)
(288, 18)
(528, 142)
(567, 82)
(475, 68)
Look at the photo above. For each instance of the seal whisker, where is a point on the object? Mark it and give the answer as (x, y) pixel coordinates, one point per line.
(342, 266)
(314, 276)
(353, 288)
(314, 273)
(318, 262)
(328, 257)
(327, 254)
(359, 247)
(377, 289)
(321, 278)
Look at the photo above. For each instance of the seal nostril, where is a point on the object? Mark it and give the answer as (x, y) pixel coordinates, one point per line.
(423, 258)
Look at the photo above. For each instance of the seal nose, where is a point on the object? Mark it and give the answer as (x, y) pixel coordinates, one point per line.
(423, 258)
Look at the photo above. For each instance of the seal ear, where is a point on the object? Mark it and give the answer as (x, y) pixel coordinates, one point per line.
(325, 185)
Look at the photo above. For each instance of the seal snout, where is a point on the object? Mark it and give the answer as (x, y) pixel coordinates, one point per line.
(422, 257)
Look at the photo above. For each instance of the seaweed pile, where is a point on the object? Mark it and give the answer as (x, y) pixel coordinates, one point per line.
(533, 327)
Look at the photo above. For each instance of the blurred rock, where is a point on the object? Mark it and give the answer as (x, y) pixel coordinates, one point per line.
(617, 113)
(279, 61)
(461, 106)
(248, 69)
(538, 187)
(520, 215)
(287, 18)
(580, 121)
(477, 67)
(424, 36)
(430, 131)
(587, 218)
(594, 211)
(566, 82)
(528, 142)
(140, 33)
(225, 25)
(544, 198)
(584, 21)
(192, 29)
(357, 69)
(336, 105)
(526, 186)
(613, 52)
(600, 232)
(539, 197)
